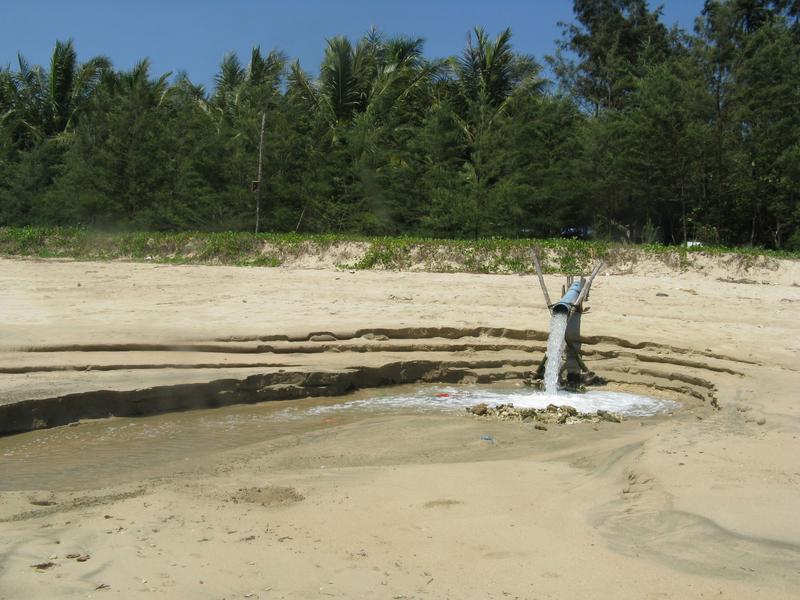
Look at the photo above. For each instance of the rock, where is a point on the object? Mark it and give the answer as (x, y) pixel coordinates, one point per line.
(609, 416)
(662, 294)
(551, 408)
(761, 421)
(507, 411)
(479, 409)
(571, 411)
(42, 502)
(540, 427)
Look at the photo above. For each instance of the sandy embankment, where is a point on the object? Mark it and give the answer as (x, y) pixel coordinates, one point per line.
(702, 503)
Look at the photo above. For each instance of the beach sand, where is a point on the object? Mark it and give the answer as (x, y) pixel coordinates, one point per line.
(701, 503)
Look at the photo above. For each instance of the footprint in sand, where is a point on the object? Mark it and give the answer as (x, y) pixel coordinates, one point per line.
(441, 503)
(267, 496)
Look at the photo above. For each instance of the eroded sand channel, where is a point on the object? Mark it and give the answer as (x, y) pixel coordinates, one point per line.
(105, 452)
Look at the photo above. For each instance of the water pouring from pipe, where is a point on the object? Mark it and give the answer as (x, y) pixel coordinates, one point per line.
(555, 347)
(565, 330)
(561, 311)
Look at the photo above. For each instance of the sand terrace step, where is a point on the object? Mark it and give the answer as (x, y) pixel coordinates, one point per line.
(145, 376)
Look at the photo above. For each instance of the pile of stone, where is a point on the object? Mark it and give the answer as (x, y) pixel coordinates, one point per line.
(555, 415)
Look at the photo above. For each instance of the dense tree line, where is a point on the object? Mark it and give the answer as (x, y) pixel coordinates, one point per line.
(644, 133)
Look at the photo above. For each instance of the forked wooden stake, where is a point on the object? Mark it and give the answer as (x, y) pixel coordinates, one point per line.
(541, 278)
(585, 289)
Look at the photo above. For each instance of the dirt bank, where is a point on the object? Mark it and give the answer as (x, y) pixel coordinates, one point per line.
(695, 505)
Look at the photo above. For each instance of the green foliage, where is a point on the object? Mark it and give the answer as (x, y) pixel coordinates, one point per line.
(484, 255)
(649, 135)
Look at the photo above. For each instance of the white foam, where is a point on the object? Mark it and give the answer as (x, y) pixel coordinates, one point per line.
(457, 399)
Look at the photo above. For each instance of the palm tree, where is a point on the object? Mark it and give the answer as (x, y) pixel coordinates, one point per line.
(24, 107)
(489, 76)
(184, 85)
(49, 103)
(266, 70)
(371, 76)
(137, 82)
(8, 95)
(342, 88)
(257, 82)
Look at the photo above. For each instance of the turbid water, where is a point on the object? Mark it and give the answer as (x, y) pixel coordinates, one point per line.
(458, 398)
(112, 451)
(555, 346)
(118, 450)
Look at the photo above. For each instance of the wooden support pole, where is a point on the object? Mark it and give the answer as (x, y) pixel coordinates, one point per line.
(541, 279)
(598, 268)
(539, 373)
(578, 357)
(585, 290)
(257, 182)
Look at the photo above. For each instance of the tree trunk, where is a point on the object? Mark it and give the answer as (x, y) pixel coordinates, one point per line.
(257, 182)
(683, 212)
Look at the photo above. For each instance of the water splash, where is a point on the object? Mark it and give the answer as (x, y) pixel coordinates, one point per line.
(456, 399)
(555, 346)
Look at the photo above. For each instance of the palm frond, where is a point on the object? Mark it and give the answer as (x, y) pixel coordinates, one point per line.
(338, 77)
(266, 70)
(491, 68)
(403, 52)
(300, 85)
(231, 74)
(195, 91)
(160, 88)
(90, 73)
(63, 67)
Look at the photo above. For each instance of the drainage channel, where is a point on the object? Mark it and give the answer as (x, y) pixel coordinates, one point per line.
(105, 452)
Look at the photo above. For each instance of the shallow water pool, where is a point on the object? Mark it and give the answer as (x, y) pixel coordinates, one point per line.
(109, 451)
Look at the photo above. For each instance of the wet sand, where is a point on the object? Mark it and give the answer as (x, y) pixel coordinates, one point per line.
(699, 504)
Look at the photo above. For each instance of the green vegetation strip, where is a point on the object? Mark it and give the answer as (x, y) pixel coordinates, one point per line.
(490, 255)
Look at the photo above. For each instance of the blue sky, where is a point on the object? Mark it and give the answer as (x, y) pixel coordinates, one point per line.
(193, 35)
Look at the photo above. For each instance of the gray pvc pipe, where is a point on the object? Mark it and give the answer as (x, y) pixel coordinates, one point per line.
(568, 301)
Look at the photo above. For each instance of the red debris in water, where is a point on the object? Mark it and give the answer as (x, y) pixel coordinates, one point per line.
(442, 395)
